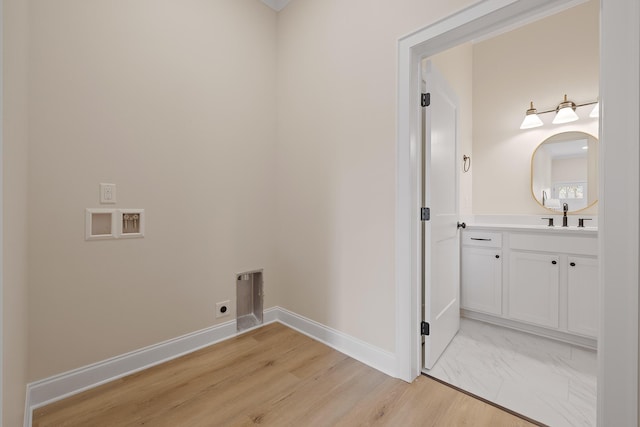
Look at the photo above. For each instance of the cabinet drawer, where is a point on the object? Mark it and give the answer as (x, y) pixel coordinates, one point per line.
(580, 245)
(482, 238)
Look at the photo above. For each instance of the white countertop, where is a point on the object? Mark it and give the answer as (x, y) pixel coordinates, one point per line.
(532, 223)
(536, 228)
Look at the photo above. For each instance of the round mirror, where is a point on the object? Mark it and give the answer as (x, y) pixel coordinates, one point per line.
(564, 169)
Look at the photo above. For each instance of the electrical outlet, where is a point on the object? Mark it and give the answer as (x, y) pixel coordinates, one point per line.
(107, 193)
(222, 308)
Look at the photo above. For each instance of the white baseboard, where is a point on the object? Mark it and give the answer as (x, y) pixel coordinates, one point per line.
(49, 390)
(375, 357)
(585, 342)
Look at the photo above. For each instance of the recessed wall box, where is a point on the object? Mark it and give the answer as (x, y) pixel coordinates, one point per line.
(249, 299)
(100, 224)
(131, 223)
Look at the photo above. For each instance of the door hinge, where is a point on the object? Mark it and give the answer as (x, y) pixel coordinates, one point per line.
(425, 99)
(424, 328)
(425, 214)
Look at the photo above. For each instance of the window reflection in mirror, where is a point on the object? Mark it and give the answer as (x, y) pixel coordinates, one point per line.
(564, 169)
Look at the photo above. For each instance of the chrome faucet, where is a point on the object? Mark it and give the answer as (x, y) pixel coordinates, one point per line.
(565, 208)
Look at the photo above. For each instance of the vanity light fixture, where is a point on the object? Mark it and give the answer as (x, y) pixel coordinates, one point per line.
(565, 113)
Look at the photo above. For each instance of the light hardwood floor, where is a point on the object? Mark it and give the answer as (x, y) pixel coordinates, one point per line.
(272, 376)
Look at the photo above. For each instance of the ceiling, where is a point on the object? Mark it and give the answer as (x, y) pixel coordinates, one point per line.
(276, 5)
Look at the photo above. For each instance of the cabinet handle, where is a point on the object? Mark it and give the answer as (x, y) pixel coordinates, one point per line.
(497, 256)
(572, 264)
(554, 262)
(477, 238)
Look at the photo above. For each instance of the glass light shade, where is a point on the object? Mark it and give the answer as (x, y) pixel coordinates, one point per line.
(565, 115)
(596, 111)
(531, 120)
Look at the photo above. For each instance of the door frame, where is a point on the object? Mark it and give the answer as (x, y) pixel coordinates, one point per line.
(619, 212)
(2, 393)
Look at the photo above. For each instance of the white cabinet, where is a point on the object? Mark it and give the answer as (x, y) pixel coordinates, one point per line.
(542, 281)
(481, 288)
(534, 288)
(582, 288)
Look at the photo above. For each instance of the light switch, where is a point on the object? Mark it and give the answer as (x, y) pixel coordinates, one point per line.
(107, 193)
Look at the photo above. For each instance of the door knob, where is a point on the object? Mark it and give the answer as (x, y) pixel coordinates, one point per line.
(462, 225)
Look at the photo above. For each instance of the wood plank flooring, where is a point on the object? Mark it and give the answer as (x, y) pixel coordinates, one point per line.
(272, 376)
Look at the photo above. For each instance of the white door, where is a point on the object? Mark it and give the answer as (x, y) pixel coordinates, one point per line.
(441, 272)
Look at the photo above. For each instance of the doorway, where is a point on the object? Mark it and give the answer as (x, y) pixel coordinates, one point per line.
(543, 379)
(617, 397)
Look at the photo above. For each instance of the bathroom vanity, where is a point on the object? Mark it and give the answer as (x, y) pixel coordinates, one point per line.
(538, 279)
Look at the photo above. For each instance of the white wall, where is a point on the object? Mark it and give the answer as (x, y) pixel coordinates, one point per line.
(571, 169)
(14, 205)
(174, 103)
(337, 69)
(456, 65)
(539, 62)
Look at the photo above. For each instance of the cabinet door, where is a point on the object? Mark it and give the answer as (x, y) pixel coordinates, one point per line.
(582, 286)
(482, 280)
(534, 288)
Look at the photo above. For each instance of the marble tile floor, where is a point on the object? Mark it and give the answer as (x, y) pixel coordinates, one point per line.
(546, 380)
